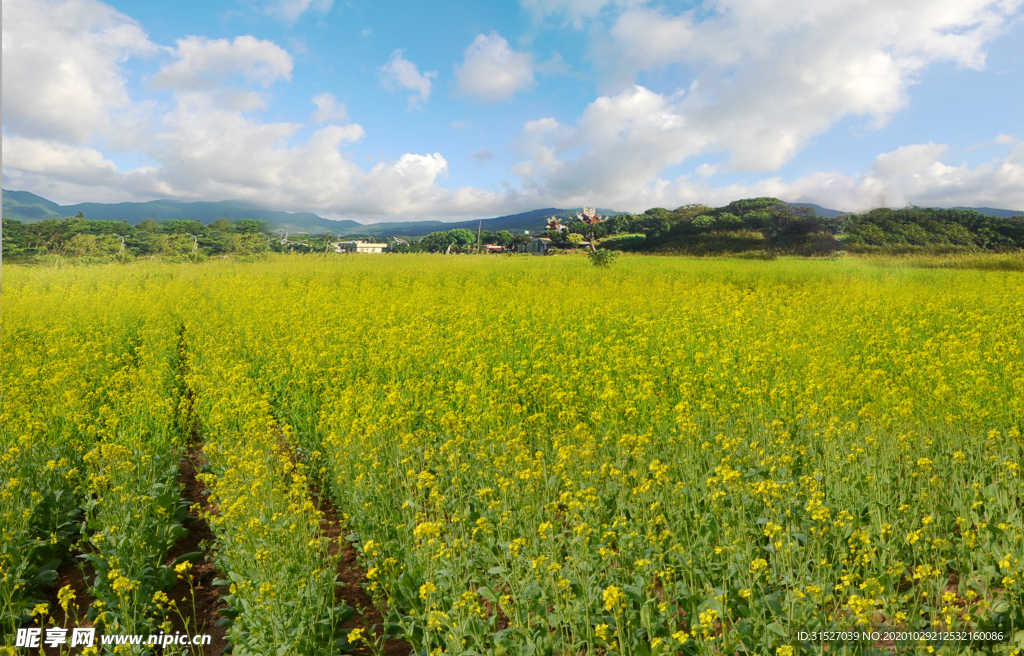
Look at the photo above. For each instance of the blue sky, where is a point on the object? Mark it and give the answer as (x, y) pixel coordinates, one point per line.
(451, 110)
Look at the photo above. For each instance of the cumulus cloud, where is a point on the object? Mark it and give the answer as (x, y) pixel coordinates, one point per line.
(491, 70)
(204, 64)
(206, 151)
(911, 175)
(625, 140)
(210, 143)
(766, 77)
(66, 162)
(916, 174)
(328, 109)
(62, 67)
(399, 72)
(759, 80)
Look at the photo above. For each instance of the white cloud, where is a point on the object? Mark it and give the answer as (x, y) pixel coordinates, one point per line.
(62, 67)
(290, 11)
(915, 174)
(78, 164)
(64, 89)
(762, 78)
(759, 80)
(491, 70)
(766, 77)
(223, 72)
(207, 64)
(328, 109)
(625, 140)
(399, 72)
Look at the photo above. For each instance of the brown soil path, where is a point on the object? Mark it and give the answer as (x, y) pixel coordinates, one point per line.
(352, 575)
(207, 597)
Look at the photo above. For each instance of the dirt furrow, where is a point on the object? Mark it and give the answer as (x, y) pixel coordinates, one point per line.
(368, 616)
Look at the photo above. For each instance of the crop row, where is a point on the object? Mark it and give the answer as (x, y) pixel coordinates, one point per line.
(90, 458)
(270, 546)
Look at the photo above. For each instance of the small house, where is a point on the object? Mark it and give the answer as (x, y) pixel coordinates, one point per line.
(537, 246)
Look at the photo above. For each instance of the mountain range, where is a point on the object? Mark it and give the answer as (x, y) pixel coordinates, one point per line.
(26, 206)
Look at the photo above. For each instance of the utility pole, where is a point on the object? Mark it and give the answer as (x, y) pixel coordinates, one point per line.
(479, 226)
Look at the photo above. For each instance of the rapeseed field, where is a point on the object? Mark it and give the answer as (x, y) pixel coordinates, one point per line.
(530, 455)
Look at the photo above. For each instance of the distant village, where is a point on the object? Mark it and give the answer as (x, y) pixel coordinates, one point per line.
(556, 236)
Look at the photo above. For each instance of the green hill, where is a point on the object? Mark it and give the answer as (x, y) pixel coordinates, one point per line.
(26, 206)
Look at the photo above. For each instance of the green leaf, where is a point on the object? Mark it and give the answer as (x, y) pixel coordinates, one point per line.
(634, 593)
(191, 557)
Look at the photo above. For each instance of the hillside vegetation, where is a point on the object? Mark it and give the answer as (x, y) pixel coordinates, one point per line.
(770, 226)
(753, 227)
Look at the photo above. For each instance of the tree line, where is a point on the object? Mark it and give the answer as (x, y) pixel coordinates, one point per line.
(771, 226)
(78, 237)
(752, 225)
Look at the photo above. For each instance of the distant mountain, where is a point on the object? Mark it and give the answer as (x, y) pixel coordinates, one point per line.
(26, 206)
(989, 211)
(819, 210)
(534, 220)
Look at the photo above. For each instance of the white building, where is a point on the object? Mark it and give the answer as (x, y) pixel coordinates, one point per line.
(359, 247)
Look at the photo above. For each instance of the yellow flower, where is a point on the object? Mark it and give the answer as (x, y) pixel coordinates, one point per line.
(614, 599)
(65, 596)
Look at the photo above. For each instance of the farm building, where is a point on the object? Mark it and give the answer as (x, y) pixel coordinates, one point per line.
(359, 247)
(537, 246)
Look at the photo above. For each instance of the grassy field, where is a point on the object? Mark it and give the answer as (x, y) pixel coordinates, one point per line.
(530, 455)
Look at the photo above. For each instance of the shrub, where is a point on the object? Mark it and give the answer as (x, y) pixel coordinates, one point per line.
(602, 258)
